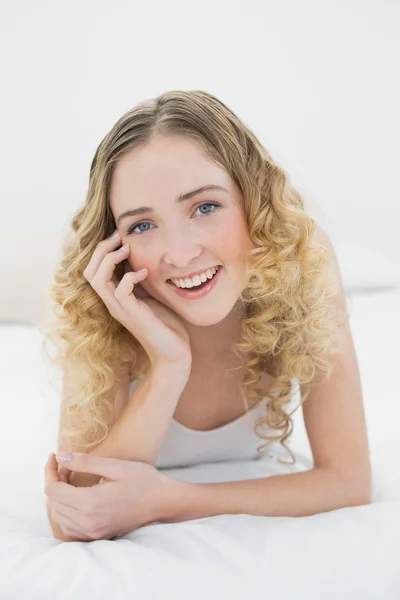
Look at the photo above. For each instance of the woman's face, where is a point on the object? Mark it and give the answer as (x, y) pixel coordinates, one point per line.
(173, 238)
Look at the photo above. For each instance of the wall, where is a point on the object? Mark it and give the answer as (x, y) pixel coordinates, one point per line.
(314, 80)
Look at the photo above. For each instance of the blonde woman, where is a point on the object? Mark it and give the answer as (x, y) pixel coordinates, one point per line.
(194, 272)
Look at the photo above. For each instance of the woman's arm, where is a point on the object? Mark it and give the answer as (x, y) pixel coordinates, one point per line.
(141, 429)
(300, 494)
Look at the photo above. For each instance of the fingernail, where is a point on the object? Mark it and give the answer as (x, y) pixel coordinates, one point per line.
(64, 456)
(115, 235)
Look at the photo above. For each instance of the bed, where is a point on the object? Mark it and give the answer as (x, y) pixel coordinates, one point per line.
(351, 553)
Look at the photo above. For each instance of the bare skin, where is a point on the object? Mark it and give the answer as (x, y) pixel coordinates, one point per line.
(210, 402)
(177, 238)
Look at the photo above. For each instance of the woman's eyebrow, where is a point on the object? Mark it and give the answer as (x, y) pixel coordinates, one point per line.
(181, 198)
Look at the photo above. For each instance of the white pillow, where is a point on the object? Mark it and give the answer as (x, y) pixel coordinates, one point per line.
(26, 275)
(364, 268)
(26, 272)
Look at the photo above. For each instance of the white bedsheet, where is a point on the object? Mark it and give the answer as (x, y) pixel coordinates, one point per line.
(352, 553)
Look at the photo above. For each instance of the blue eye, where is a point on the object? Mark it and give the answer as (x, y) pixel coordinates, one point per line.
(133, 227)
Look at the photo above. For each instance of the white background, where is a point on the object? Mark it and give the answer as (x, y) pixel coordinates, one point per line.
(318, 83)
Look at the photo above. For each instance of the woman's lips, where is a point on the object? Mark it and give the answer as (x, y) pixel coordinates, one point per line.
(195, 293)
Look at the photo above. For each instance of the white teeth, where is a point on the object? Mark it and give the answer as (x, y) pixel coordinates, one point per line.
(196, 280)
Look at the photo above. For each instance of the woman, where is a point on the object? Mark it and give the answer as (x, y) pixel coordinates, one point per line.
(194, 270)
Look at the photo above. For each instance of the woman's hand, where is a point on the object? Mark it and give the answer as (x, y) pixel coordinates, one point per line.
(159, 329)
(129, 495)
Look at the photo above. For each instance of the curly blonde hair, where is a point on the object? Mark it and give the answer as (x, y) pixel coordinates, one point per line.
(289, 328)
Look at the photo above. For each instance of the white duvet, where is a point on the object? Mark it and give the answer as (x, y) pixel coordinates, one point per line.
(351, 553)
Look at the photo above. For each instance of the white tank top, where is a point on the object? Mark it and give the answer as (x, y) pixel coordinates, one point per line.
(234, 441)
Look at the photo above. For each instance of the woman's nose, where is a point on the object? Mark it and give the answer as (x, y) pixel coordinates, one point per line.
(180, 250)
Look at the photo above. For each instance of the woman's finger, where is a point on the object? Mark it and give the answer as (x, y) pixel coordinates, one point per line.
(100, 252)
(63, 473)
(104, 276)
(110, 290)
(67, 511)
(68, 526)
(50, 472)
(127, 286)
(75, 534)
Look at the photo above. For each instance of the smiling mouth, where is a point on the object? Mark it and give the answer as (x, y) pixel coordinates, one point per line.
(203, 283)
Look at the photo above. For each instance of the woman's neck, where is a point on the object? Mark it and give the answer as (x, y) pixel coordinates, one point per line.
(212, 345)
